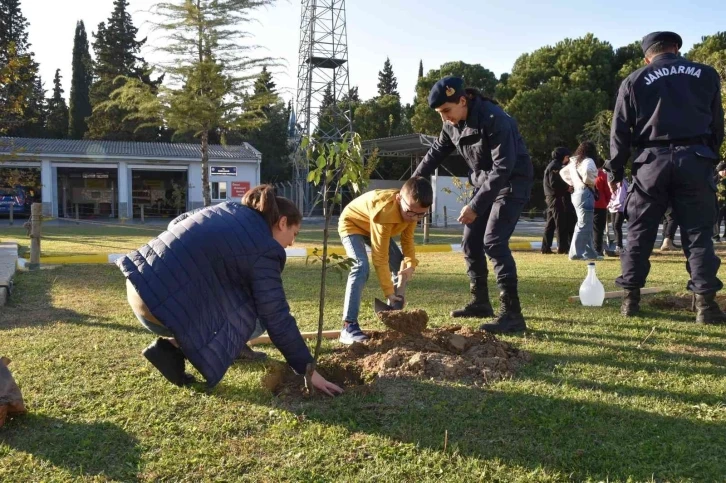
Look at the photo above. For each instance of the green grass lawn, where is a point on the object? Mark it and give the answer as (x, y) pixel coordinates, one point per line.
(72, 239)
(594, 405)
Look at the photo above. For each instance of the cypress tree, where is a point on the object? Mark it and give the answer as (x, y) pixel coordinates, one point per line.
(387, 83)
(80, 104)
(57, 124)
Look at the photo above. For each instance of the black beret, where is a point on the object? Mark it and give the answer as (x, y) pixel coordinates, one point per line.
(448, 89)
(655, 37)
(560, 153)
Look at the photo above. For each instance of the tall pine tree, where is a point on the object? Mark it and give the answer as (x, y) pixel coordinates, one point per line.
(420, 68)
(117, 54)
(57, 123)
(18, 72)
(387, 83)
(80, 104)
(36, 112)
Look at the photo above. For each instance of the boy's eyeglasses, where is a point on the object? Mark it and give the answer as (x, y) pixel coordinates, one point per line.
(413, 213)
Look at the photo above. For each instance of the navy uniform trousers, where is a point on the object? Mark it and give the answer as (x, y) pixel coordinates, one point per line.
(683, 176)
(488, 236)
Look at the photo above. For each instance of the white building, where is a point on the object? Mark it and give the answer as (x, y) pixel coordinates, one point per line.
(117, 178)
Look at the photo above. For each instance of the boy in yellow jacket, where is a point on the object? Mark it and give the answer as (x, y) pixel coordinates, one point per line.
(373, 219)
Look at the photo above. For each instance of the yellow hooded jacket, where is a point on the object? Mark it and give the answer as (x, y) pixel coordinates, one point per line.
(377, 215)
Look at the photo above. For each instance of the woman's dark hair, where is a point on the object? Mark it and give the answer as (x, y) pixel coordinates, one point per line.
(473, 92)
(586, 150)
(262, 199)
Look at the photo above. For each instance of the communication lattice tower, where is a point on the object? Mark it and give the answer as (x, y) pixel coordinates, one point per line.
(322, 82)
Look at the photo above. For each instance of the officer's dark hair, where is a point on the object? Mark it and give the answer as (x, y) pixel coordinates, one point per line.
(472, 93)
(419, 190)
(586, 150)
(660, 48)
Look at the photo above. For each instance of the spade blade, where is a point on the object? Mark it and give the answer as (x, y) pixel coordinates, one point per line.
(380, 306)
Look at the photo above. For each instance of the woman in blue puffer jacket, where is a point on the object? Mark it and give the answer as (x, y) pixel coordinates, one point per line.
(212, 282)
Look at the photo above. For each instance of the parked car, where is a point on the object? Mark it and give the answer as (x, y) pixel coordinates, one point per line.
(15, 199)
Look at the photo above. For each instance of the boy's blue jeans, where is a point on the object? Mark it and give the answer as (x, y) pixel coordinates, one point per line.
(355, 248)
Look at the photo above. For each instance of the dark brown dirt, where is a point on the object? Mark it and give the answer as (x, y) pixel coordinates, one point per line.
(411, 322)
(679, 301)
(457, 354)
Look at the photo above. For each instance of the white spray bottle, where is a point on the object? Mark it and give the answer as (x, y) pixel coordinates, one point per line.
(592, 292)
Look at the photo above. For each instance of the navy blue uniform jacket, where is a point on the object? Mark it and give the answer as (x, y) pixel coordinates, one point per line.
(490, 143)
(669, 100)
(208, 278)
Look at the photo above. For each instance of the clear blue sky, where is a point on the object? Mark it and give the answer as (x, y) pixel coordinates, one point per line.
(490, 32)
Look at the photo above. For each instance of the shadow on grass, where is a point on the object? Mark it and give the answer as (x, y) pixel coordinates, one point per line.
(85, 449)
(31, 304)
(575, 439)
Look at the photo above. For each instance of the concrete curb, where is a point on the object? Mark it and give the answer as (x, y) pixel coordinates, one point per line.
(110, 258)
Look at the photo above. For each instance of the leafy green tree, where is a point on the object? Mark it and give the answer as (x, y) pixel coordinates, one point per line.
(117, 54)
(19, 82)
(210, 68)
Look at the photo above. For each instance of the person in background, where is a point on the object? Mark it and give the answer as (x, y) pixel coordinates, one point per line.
(559, 205)
(616, 207)
(373, 219)
(600, 217)
(213, 281)
(720, 178)
(669, 231)
(581, 173)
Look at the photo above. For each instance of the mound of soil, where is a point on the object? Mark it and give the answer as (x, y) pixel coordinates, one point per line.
(411, 322)
(449, 354)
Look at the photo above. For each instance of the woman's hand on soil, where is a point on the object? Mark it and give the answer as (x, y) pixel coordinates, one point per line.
(322, 385)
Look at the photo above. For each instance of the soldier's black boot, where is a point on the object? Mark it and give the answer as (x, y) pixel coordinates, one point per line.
(479, 306)
(708, 310)
(510, 318)
(631, 303)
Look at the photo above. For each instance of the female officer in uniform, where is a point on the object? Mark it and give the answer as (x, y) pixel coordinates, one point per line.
(501, 171)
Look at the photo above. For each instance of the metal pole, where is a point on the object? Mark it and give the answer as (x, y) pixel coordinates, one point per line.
(446, 219)
(142, 214)
(426, 226)
(11, 214)
(77, 217)
(35, 220)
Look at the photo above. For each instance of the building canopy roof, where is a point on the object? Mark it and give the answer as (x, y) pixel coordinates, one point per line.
(120, 149)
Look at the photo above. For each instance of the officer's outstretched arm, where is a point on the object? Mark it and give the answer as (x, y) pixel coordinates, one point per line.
(504, 156)
(620, 134)
(438, 151)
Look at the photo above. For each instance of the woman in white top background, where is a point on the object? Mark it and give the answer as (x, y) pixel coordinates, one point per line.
(580, 173)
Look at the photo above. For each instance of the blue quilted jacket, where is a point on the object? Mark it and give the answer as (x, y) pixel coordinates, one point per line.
(208, 278)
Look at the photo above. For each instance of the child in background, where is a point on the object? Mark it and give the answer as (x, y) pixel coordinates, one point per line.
(616, 207)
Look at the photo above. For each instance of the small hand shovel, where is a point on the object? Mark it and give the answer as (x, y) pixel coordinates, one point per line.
(380, 306)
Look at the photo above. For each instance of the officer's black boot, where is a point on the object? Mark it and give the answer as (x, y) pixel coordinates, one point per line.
(708, 310)
(510, 318)
(631, 303)
(479, 306)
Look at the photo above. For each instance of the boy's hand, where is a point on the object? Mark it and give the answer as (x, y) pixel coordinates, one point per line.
(467, 215)
(394, 299)
(407, 273)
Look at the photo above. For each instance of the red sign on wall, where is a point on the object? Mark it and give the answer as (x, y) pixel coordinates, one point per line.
(239, 188)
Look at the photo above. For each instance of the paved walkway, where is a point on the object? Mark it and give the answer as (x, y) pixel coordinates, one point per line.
(8, 262)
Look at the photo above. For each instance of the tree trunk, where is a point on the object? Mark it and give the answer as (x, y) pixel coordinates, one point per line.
(205, 169)
(324, 271)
